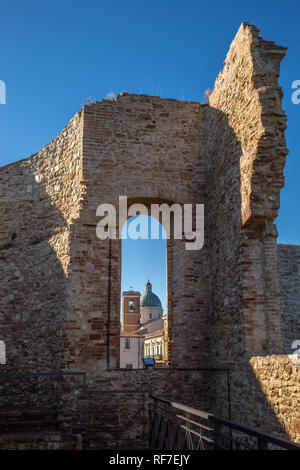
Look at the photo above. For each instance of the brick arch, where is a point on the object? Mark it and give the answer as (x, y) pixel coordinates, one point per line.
(182, 301)
(156, 193)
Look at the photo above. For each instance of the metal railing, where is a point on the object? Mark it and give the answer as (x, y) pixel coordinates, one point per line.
(173, 426)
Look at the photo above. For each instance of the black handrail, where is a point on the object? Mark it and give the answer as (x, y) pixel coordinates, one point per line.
(180, 406)
(159, 414)
(261, 436)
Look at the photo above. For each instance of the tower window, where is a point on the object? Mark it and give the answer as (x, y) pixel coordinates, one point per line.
(127, 343)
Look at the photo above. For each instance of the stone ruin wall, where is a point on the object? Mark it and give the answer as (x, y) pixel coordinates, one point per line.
(72, 187)
(223, 302)
(276, 394)
(40, 197)
(289, 273)
(246, 148)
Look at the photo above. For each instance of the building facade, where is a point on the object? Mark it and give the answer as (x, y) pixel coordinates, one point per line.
(131, 351)
(142, 328)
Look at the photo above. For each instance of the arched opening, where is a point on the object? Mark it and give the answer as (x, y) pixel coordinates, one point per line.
(185, 279)
(143, 293)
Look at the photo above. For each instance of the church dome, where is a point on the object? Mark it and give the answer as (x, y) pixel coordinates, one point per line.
(149, 299)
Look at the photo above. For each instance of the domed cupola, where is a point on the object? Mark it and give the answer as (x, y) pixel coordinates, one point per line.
(149, 299)
(150, 304)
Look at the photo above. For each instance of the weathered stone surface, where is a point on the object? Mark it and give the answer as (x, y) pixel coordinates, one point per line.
(289, 273)
(246, 164)
(279, 379)
(39, 199)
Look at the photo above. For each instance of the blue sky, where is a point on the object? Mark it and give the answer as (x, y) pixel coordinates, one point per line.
(56, 54)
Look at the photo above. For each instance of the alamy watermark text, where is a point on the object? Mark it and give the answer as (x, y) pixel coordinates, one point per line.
(2, 92)
(184, 221)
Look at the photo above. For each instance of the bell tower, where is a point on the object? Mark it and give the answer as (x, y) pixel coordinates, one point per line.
(131, 311)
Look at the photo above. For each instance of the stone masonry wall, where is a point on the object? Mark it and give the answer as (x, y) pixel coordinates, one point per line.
(289, 274)
(246, 150)
(128, 150)
(39, 199)
(264, 394)
(279, 379)
(112, 411)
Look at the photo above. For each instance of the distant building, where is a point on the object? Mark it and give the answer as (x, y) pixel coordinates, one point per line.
(132, 345)
(142, 332)
(132, 351)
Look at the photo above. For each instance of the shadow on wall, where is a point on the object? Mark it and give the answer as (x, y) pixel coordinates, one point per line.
(289, 270)
(223, 237)
(239, 323)
(277, 379)
(33, 254)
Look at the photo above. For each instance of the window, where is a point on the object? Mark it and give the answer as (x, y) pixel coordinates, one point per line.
(128, 366)
(127, 343)
(131, 306)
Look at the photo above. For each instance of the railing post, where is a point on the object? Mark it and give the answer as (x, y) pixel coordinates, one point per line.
(214, 436)
(150, 430)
